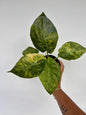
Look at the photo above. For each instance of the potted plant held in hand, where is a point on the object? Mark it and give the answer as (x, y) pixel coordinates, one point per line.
(33, 64)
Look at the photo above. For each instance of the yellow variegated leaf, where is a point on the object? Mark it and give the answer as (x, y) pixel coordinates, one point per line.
(71, 51)
(51, 75)
(29, 66)
(30, 50)
(44, 34)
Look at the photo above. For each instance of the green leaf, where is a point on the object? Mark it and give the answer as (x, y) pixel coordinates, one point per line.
(29, 66)
(51, 75)
(71, 51)
(44, 34)
(30, 50)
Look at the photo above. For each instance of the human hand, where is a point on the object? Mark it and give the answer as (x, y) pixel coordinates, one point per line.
(62, 69)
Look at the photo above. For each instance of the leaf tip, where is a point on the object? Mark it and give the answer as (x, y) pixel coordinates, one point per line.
(9, 71)
(42, 14)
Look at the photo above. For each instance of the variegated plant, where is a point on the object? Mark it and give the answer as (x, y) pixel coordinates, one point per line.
(32, 64)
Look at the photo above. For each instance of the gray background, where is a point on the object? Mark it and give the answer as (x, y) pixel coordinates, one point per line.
(27, 96)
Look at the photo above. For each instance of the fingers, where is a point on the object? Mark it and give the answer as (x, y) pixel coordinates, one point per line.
(62, 66)
(62, 69)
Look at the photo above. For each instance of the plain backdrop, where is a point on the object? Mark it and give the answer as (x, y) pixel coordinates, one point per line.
(20, 96)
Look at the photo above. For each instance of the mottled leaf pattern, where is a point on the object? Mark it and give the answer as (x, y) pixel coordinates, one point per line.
(71, 51)
(43, 34)
(51, 75)
(29, 66)
(44, 37)
(30, 50)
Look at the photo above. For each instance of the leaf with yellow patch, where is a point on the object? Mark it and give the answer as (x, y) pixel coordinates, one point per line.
(44, 34)
(51, 75)
(29, 66)
(71, 51)
(30, 50)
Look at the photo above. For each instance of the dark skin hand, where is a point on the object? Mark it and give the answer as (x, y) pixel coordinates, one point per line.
(67, 106)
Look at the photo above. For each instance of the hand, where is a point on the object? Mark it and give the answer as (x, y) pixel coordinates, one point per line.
(62, 69)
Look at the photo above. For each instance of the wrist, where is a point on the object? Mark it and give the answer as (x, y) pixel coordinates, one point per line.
(59, 86)
(57, 90)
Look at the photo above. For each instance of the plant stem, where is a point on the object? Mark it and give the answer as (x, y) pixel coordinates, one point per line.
(56, 58)
(47, 54)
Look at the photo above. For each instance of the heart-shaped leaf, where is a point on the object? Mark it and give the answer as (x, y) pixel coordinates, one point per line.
(29, 66)
(51, 75)
(43, 34)
(30, 50)
(71, 51)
